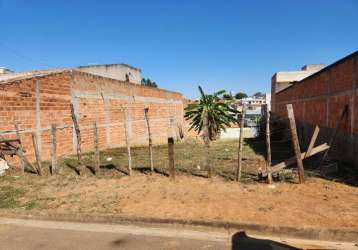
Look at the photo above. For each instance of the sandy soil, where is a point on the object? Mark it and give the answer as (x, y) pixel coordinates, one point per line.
(317, 203)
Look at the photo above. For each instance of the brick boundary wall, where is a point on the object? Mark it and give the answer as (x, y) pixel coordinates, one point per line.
(319, 100)
(36, 103)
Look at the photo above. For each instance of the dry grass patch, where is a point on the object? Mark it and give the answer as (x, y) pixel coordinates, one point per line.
(317, 203)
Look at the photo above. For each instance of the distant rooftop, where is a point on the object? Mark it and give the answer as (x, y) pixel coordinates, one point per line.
(108, 65)
(293, 76)
(7, 75)
(13, 76)
(4, 70)
(313, 67)
(121, 72)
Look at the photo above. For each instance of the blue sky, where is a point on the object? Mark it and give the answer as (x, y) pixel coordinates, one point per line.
(232, 45)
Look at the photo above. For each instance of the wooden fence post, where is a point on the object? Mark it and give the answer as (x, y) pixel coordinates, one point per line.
(268, 147)
(171, 157)
(21, 150)
(37, 154)
(241, 142)
(206, 138)
(149, 139)
(78, 136)
(96, 148)
(296, 145)
(54, 167)
(126, 133)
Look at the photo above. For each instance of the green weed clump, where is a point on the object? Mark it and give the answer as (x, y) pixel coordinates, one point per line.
(9, 196)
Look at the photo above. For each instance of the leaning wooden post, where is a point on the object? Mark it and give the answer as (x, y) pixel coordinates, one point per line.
(54, 167)
(268, 147)
(241, 142)
(296, 145)
(37, 153)
(126, 133)
(78, 136)
(96, 148)
(312, 142)
(149, 139)
(21, 150)
(171, 157)
(206, 138)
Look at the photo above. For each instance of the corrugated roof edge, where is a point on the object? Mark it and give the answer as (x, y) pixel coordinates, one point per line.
(322, 70)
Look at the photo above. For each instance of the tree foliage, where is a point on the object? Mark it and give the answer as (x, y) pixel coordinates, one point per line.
(220, 112)
(258, 94)
(228, 96)
(240, 95)
(148, 82)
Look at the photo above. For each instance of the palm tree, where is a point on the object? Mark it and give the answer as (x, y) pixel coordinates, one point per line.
(213, 110)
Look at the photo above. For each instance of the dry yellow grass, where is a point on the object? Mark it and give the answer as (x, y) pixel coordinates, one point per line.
(317, 203)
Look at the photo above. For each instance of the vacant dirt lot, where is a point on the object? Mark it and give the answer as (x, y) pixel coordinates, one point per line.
(317, 203)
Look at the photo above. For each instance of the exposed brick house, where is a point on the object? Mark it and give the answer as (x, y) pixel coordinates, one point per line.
(37, 99)
(319, 99)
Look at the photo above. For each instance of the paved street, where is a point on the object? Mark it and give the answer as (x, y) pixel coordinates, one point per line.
(16, 234)
(17, 237)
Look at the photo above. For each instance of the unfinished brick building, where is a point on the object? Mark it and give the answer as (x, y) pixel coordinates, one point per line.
(319, 99)
(37, 99)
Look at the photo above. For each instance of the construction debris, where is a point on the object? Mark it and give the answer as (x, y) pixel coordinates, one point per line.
(3, 166)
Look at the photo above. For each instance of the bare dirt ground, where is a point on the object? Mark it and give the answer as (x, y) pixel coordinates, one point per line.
(317, 203)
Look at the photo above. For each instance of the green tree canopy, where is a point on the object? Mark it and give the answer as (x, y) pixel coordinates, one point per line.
(227, 96)
(219, 111)
(148, 82)
(240, 95)
(258, 94)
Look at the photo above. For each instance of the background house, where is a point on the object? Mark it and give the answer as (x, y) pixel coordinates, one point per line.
(121, 72)
(284, 79)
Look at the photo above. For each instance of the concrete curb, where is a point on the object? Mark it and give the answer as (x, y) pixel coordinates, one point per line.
(309, 233)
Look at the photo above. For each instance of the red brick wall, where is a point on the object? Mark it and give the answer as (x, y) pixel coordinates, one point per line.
(18, 105)
(95, 99)
(320, 99)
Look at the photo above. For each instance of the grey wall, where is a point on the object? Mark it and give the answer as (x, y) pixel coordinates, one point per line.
(114, 71)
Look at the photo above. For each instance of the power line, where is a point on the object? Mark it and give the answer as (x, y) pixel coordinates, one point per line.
(24, 57)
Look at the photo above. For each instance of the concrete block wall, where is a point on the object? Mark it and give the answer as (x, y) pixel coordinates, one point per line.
(36, 103)
(319, 100)
(107, 100)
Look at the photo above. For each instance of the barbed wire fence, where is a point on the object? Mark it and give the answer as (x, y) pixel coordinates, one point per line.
(275, 147)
